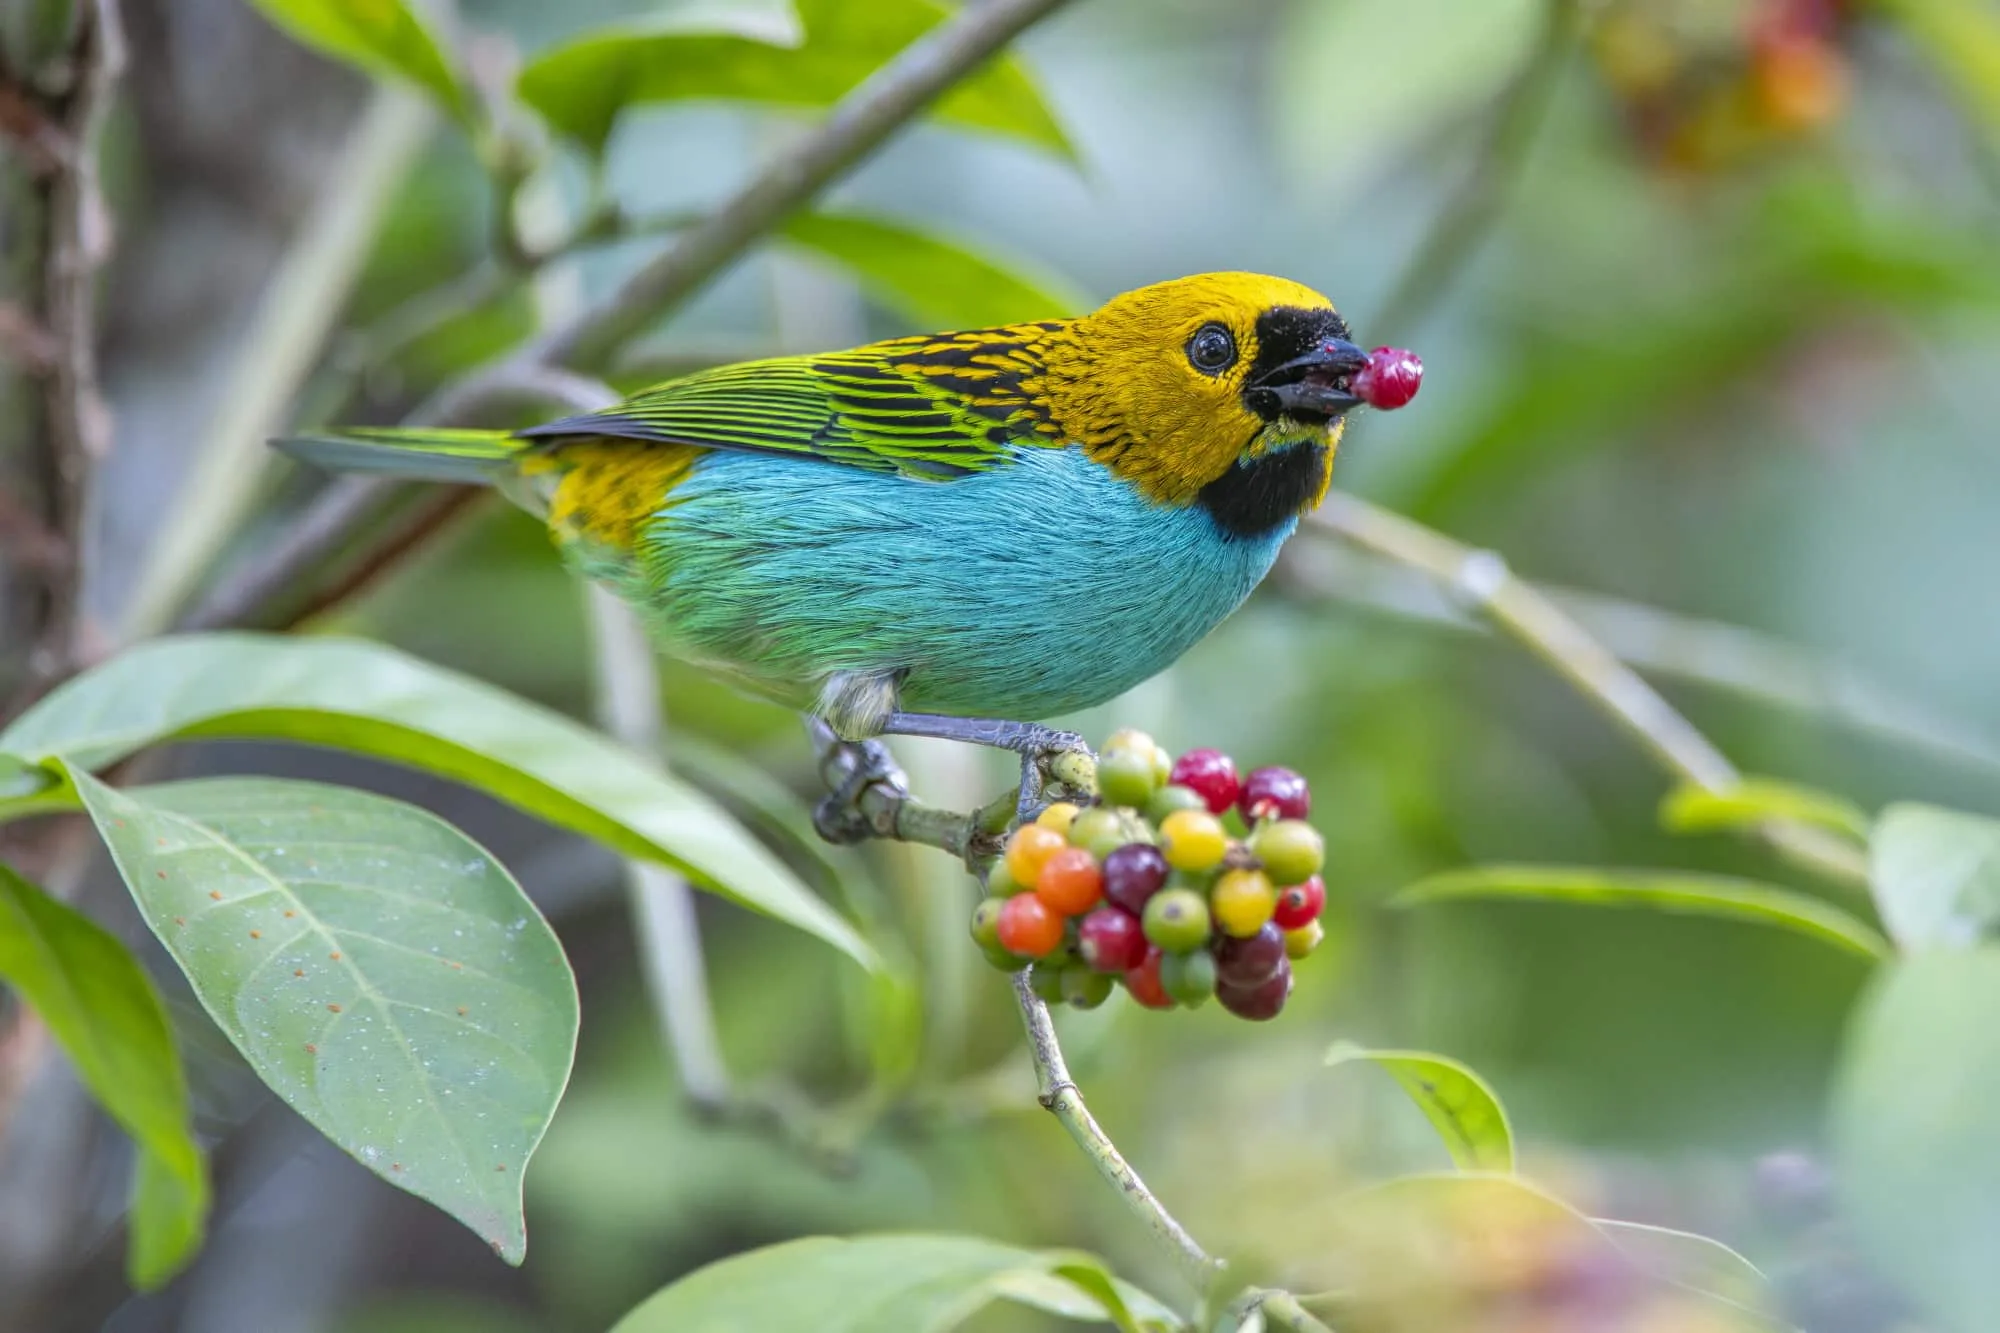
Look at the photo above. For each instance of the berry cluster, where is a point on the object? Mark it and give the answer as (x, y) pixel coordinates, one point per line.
(1150, 888)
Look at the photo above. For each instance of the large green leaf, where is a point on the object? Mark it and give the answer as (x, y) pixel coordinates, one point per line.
(377, 968)
(96, 1002)
(581, 87)
(1936, 875)
(1465, 1112)
(935, 282)
(1693, 895)
(909, 1283)
(1912, 1130)
(363, 697)
(378, 37)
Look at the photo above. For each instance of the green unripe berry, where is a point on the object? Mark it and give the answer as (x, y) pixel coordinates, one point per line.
(1125, 777)
(1085, 987)
(1003, 961)
(986, 922)
(1302, 940)
(1000, 881)
(1046, 981)
(1291, 849)
(1176, 920)
(1188, 977)
(1171, 798)
(1102, 830)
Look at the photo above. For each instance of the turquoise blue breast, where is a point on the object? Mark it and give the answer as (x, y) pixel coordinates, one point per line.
(1025, 591)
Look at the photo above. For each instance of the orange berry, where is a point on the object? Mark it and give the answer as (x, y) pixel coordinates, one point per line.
(1028, 927)
(1029, 848)
(1800, 82)
(1070, 882)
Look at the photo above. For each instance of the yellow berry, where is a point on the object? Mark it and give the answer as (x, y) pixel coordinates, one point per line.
(1302, 940)
(1058, 817)
(1128, 738)
(1193, 840)
(1242, 902)
(1029, 848)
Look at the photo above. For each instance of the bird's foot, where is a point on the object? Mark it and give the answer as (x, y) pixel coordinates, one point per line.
(1054, 764)
(863, 784)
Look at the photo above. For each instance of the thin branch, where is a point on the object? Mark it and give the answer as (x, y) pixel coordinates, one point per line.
(291, 324)
(74, 415)
(890, 98)
(1518, 609)
(1662, 643)
(1061, 1097)
(1455, 235)
(669, 935)
(433, 514)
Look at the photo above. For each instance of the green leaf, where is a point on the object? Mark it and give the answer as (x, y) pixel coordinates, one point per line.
(1692, 809)
(378, 969)
(377, 37)
(1461, 1106)
(1912, 1130)
(96, 1002)
(1936, 875)
(373, 700)
(935, 282)
(1688, 1259)
(1962, 38)
(908, 1282)
(1693, 895)
(581, 87)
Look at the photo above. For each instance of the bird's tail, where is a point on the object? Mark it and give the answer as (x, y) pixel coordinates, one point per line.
(476, 457)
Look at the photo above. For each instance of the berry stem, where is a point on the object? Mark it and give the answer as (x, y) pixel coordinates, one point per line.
(1064, 1100)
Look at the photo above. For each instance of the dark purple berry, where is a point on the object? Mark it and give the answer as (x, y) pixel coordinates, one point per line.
(1247, 962)
(1111, 940)
(1275, 792)
(1133, 874)
(1210, 773)
(1261, 1002)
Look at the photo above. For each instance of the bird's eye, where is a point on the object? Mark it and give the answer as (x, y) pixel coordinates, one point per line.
(1212, 350)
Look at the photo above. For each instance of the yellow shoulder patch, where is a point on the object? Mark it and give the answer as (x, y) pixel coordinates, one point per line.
(607, 489)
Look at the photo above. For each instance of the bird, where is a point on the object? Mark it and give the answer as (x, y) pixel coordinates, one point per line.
(956, 534)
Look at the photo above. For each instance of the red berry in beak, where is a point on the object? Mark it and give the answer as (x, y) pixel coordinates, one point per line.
(1389, 380)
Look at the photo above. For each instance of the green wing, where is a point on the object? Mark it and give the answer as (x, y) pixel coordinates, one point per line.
(935, 407)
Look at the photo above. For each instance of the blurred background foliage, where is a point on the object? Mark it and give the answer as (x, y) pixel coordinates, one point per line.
(1721, 349)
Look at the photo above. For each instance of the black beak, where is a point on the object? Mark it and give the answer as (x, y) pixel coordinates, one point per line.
(1312, 387)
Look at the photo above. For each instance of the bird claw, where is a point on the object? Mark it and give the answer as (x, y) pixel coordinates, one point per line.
(851, 769)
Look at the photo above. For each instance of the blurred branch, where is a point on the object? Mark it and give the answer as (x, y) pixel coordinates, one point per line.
(669, 936)
(1520, 610)
(1703, 652)
(1463, 222)
(76, 232)
(890, 98)
(292, 322)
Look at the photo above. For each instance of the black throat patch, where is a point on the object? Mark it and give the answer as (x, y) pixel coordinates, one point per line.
(1256, 496)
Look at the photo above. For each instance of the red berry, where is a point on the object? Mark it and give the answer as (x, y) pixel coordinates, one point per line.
(1300, 903)
(1211, 773)
(1070, 882)
(1260, 1002)
(1389, 380)
(1028, 927)
(1110, 940)
(1275, 792)
(1143, 982)
(1133, 874)
(1246, 962)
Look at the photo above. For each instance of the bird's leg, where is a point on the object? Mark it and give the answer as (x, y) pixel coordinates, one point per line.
(1043, 750)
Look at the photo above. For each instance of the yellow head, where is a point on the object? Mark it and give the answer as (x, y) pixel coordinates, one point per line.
(1225, 389)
